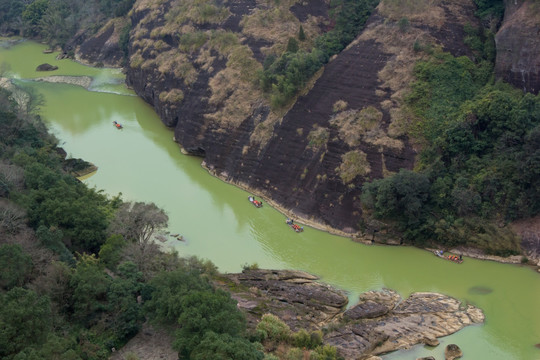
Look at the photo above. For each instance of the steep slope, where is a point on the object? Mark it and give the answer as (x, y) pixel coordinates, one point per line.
(199, 71)
(518, 45)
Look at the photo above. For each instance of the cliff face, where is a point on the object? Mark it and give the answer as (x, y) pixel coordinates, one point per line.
(103, 47)
(518, 45)
(311, 158)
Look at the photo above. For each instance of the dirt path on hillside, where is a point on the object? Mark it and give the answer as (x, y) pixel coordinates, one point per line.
(149, 344)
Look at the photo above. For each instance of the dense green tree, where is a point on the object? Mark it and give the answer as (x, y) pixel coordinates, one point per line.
(292, 45)
(225, 347)
(90, 285)
(24, 320)
(167, 292)
(51, 238)
(301, 34)
(125, 312)
(402, 196)
(491, 10)
(58, 200)
(204, 311)
(110, 252)
(10, 16)
(15, 264)
(32, 15)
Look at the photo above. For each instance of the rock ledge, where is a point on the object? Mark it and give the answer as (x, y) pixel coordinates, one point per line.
(380, 322)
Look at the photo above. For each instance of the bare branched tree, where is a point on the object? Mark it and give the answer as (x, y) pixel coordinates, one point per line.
(138, 222)
(11, 177)
(12, 218)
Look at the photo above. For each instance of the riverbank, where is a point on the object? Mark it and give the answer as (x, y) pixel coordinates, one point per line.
(289, 213)
(533, 262)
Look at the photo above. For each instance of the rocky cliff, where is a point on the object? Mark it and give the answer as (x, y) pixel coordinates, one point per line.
(197, 64)
(311, 157)
(518, 45)
(379, 323)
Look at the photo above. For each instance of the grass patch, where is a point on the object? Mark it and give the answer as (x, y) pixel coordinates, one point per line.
(173, 97)
(197, 11)
(318, 137)
(353, 125)
(353, 164)
(339, 105)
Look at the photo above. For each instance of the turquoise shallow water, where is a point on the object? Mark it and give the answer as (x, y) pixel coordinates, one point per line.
(218, 223)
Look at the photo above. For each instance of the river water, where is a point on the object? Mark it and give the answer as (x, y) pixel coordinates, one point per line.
(142, 162)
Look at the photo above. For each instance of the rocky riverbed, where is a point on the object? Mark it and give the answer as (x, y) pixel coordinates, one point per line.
(380, 322)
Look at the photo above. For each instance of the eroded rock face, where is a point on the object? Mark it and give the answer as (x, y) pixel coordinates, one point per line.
(102, 48)
(421, 318)
(518, 45)
(294, 296)
(230, 122)
(381, 322)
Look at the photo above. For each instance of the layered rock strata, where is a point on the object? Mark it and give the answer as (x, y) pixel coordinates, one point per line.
(301, 156)
(380, 322)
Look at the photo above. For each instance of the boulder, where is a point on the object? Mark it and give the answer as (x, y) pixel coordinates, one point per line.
(452, 352)
(46, 67)
(373, 304)
(426, 358)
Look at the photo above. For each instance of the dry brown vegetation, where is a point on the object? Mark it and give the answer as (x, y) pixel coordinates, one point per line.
(318, 137)
(197, 12)
(276, 24)
(237, 98)
(355, 126)
(428, 11)
(353, 164)
(173, 97)
(339, 105)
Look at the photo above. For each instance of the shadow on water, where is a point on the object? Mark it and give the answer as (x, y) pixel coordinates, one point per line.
(479, 290)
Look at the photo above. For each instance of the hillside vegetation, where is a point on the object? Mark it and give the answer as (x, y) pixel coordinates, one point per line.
(57, 21)
(478, 167)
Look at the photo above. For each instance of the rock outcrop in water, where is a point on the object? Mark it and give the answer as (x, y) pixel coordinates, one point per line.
(46, 67)
(379, 323)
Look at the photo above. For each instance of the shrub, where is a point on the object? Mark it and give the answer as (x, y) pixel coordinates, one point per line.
(403, 24)
(274, 328)
(339, 105)
(353, 164)
(16, 266)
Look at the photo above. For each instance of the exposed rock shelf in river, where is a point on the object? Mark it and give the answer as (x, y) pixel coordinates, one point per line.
(83, 81)
(381, 321)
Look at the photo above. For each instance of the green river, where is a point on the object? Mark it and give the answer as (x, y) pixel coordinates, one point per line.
(142, 162)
